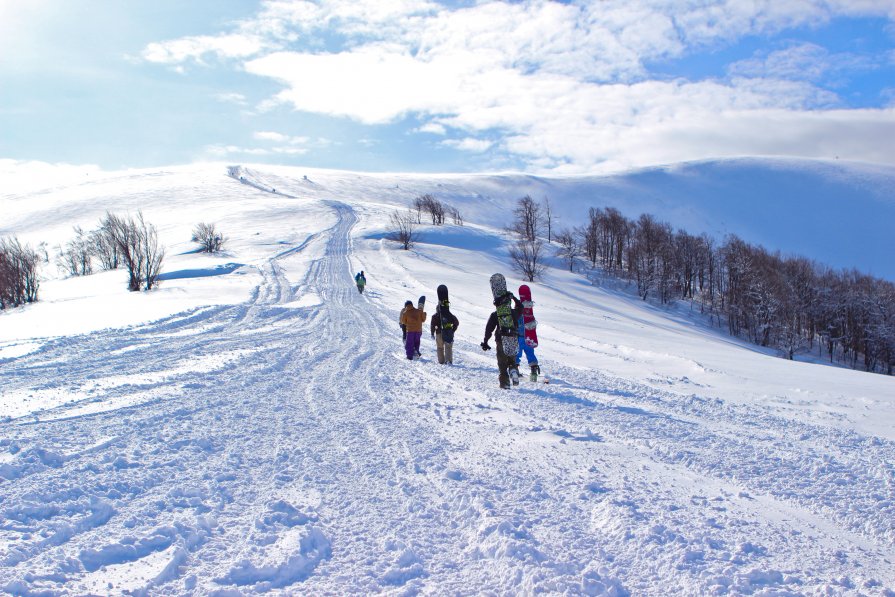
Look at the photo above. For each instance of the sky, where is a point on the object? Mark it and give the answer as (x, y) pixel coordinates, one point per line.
(425, 86)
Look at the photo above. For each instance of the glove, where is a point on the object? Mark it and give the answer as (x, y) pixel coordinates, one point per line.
(485, 346)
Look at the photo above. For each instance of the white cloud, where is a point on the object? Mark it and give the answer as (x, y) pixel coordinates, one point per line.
(227, 150)
(559, 85)
(801, 62)
(224, 46)
(469, 144)
(271, 136)
(433, 128)
(232, 98)
(280, 138)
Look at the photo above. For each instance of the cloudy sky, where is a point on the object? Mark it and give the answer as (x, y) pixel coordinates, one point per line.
(463, 86)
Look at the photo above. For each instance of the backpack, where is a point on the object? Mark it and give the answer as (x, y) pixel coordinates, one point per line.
(505, 320)
(446, 320)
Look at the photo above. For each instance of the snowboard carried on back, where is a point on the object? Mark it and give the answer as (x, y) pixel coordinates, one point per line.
(443, 309)
(503, 301)
(421, 305)
(529, 323)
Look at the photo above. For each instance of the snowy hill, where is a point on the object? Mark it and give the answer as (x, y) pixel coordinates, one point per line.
(252, 425)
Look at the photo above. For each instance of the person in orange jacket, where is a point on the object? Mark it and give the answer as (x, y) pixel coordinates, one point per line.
(413, 319)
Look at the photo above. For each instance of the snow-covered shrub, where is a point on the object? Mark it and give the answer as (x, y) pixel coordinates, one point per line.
(208, 237)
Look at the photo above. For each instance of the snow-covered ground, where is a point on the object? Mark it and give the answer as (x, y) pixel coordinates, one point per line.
(252, 425)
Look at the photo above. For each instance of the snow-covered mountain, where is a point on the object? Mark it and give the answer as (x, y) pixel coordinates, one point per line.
(253, 425)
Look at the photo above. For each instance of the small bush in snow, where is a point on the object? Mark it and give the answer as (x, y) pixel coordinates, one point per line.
(403, 229)
(208, 237)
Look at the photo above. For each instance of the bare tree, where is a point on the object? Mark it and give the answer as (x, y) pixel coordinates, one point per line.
(456, 215)
(569, 249)
(548, 218)
(403, 229)
(208, 237)
(435, 208)
(528, 258)
(76, 258)
(153, 253)
(419, 204)
(527, 219)
(137, 243)
(104, 248)
(19, 280)
(590, 236)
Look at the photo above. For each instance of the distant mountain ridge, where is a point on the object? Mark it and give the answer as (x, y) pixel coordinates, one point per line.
(838, 213)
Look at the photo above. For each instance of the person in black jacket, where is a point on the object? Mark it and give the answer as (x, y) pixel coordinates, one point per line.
(442, 326)
(506, 363)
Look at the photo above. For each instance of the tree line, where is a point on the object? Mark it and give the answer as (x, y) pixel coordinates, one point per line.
(789, 303)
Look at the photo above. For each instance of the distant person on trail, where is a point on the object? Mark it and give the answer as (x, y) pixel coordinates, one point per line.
(361, 280)
(506, 363)
(413, 319)
(401, 320)
(443, 325)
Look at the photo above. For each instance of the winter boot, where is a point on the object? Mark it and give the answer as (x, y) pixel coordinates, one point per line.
(514, 376)
(535, 371)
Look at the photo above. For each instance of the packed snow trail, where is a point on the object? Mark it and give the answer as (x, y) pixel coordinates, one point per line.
(275, 446)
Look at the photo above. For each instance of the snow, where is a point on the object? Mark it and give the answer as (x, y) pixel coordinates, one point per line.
(252, 426)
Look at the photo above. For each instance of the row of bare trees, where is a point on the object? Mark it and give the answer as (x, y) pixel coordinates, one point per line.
(436, 210)
(19, 281)
(126, 241)
(789, 303)
(405, 225)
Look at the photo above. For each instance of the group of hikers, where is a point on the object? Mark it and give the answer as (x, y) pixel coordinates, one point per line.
(444, 324)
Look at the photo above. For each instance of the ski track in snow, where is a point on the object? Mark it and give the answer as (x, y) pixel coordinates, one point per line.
(274, 447)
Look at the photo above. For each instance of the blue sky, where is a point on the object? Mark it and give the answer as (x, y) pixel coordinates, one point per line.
(416, 85)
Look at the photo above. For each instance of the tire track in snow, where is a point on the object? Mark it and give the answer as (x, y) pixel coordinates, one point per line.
(182, 460)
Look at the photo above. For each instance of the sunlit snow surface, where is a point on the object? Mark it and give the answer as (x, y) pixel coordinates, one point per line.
(253, 425)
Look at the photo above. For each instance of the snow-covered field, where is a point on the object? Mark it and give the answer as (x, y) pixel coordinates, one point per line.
(253, 426)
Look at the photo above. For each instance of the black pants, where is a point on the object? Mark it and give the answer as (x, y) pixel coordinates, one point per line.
(505, 362)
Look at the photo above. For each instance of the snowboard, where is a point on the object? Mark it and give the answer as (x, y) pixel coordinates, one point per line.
(421, 305)
(529, 323)
(444, 313)
(503, 300)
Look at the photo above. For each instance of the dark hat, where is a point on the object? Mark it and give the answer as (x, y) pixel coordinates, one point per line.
(406, 303)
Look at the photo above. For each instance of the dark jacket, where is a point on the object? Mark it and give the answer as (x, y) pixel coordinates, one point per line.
(435, 325)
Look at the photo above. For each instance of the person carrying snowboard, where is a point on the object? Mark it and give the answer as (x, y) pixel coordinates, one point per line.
(361, 280)
(443, 325)
(401, 319)
(528, 339)
(413, 319)
(502, 323)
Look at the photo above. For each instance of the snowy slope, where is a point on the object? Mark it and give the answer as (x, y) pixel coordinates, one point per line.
(253, 425)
